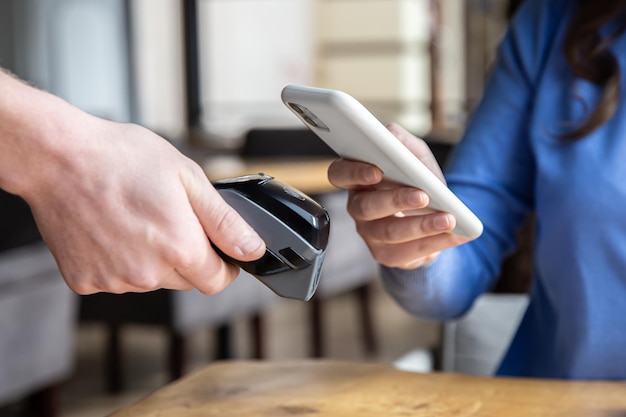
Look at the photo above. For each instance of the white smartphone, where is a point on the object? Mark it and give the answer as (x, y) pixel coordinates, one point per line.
(354, 133)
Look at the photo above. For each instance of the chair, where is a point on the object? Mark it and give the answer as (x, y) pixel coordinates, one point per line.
(348, 268)
(37, 325)
(179, 312)
(476, 343)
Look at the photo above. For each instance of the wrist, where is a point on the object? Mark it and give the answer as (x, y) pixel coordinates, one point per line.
(33, 136)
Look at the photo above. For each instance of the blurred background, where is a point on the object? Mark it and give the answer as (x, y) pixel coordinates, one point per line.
(204, 74)
(419, 62)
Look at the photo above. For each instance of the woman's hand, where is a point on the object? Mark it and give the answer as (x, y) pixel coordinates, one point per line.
(391, 218)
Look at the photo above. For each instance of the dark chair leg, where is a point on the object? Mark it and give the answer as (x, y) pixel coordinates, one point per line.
(178, 354)
(317, 338)
(223, 348)
(114, 362)
(364, 295)
(258, 339)
(43, 403)
(437, 351)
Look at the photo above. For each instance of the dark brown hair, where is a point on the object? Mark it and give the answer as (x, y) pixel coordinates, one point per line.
(589, 57)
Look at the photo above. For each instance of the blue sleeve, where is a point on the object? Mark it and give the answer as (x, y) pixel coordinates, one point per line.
(430, 292)
(491, 171)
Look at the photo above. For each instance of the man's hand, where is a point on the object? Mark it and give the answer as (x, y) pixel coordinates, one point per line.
(119, 207)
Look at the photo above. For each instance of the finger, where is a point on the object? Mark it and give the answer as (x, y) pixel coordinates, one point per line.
(344, 173)
(415, 253)
(151, 276)
(378, 204)
(394, 230)
(418, 147)
(197, 261)
(202, 267)
(216, 276)
(110, 284)
(222, 224)
(176, 281)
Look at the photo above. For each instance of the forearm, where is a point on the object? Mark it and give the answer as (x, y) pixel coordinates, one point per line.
(118, 206)
(33, 126)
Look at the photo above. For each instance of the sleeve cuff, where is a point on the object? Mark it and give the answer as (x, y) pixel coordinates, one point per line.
(430, 291)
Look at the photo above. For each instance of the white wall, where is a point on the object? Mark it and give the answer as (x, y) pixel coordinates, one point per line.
(89, 63)
(453, 61)
(378, 51)
(250, 49)
(159, 66)
(77, 50)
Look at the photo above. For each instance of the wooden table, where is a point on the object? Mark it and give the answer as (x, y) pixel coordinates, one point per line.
(309, 175)
(331, 388)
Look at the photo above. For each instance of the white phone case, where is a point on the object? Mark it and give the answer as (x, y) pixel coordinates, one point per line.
(354, 133)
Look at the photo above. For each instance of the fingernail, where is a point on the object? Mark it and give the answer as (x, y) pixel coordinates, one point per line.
(443, 221)
(418, 198)
(369, 175)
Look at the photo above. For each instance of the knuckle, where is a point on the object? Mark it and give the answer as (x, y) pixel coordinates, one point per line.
(185, 287)
(179, 258)
(112, 286)
(421, 145)
(399, 197)
(81, 288)
(408, 255)
(385, 256)
(385, 231)
(119, 284)
(226, 221)
(428, 224)
(419, 248)
(334, 174)
(363, 229)
(211, 289)
(364, 174)
(415, 228)
(359, 208)
(145, 282)
(196, 171)
(176, 254)
(379, 234)
(380, 258)
(217, 282)
(87, 283)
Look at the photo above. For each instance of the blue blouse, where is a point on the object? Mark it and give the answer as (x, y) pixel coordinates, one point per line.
(511, 162)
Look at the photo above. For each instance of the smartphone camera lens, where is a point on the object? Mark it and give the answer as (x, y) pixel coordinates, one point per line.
(297, 108)
(308, 116)
(310, 121)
